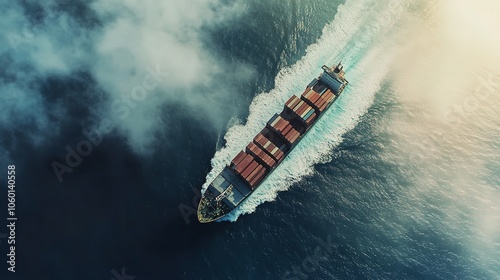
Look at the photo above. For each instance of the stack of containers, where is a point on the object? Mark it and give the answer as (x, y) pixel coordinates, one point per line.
(318, 101)
(256, 177)
(253, 174)
(241, 165)
(249, 169)
(303, 111)
(278, 123)
(266, 145)
(237, 159)
(291, 135)
(292, 102)
(283, 127)
(261, 155)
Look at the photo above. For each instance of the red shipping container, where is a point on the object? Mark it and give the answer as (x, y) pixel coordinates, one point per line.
(284, 125)
(261, 154)
(292, 101)
(306, 111)
(311, 119)
(315, 97)
(252, 147)
(302, 110)
(296, 108)
(244, 163)
(290, 135)
(309, 92)
(268, 146)
(319, 103)
(286, 129)
(310, 103)
(275, 121)
(268, 161)
(306, 91)
(255, 172)
(258, 178)
(332, 97)
(328, 96)
(298, 105)
(279, 123)
(295, 136)
(248, 179)
(237, 159)
(323, 107)
(306, 108)
(251, 167)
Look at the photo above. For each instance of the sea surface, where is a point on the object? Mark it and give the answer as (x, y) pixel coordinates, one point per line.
(399, 180)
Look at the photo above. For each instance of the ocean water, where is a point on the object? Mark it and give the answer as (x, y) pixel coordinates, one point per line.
(399, 180)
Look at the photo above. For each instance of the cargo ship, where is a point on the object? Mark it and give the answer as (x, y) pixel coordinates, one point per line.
(270, 146)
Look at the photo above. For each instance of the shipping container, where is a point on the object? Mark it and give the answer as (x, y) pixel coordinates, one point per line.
(244, 163)
(320, 104)
(311, 119)
(300, 108)
(328, 91)
(251, 167)
(237, 159)
(328, 96)
(257, 178)
(292, 102)
(320, 88)
(290, 135)
(268, 146)
(306, 111)
(286, 129)
(315, 97)
(273, 120)
(308, 114)
(260, 154)
(254, 173)
(310, 102)
(293, 136)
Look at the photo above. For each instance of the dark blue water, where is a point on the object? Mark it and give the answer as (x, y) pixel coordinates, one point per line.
(382, 190)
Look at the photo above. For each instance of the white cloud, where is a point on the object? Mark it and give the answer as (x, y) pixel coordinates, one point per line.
(127, 37)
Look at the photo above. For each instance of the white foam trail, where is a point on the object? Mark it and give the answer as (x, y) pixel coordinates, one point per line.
(357, 27)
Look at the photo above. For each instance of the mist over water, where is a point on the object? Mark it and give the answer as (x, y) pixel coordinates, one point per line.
(401, 174)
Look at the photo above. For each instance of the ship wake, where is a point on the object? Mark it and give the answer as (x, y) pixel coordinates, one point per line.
(360, 36)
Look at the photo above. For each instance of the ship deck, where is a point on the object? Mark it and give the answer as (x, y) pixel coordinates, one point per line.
(223, 181)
